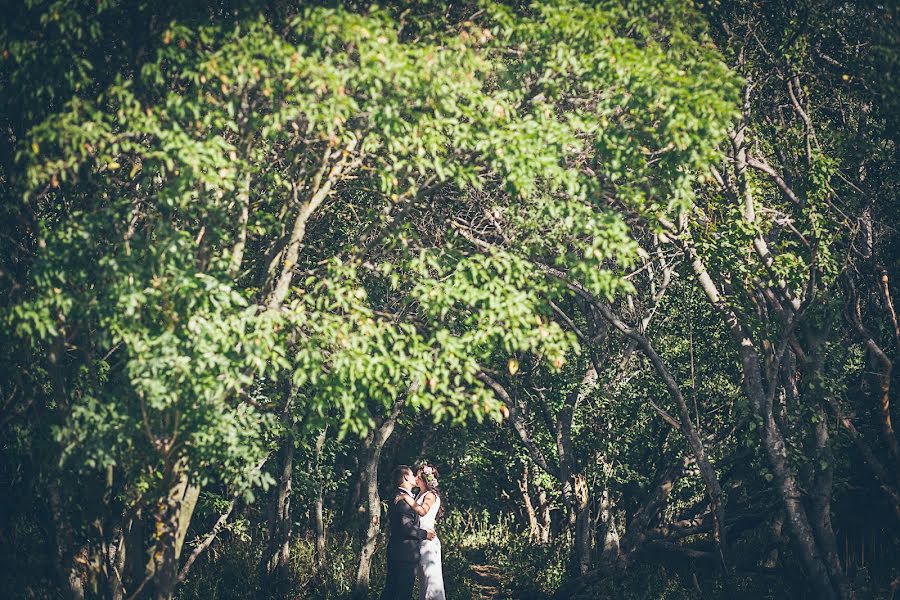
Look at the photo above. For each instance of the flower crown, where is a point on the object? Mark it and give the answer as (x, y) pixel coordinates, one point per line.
(428, 473)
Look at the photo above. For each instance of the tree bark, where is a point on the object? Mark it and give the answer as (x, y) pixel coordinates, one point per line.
(378, 438)
(354, 499)
(115, 561)
(576, 495)
(275, 570)
(211, 536)
(882, 365)
(319, 512)
(574, 491)
(820, 504)
(607, 533)
(135, 551)
(872, 462)
(544, 511)
(635, 539)
(172, 517)
(823, 472)
(582, 510)
(534, 529)
(687, 428)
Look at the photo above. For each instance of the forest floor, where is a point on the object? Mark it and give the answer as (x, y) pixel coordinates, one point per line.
(484, 579)
(486, 582)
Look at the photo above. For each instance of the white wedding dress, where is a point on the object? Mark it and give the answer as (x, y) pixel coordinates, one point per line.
(430, 571)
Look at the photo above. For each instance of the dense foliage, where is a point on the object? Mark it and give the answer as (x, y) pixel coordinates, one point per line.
(623, 271)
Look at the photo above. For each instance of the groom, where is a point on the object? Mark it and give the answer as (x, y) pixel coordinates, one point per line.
(403, 547)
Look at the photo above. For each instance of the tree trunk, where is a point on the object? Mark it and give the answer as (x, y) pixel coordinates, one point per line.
(685, 426)
(319, 513)
(115, 561)
(135, 549)
(276, 560)
(544, 511)
(237, 251)
(68, 577)
(789, 491)
(635, 535)
(772, 439)
(172, 518)
(367, 552)
(877, 469)
(574, 486)
(820, 504)
(582, 524)
(67, 573)
(534, 528)
(607, 533)
(823, 471)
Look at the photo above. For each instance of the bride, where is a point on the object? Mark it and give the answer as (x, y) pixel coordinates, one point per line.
(428, 506)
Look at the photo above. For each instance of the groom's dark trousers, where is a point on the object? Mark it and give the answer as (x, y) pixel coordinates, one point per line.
(402, 552)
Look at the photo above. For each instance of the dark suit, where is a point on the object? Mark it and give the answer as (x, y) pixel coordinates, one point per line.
(402, 551)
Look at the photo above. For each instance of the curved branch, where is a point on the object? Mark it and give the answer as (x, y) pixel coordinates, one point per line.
(518, 423)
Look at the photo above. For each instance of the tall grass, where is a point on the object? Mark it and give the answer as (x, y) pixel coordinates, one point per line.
(229, 570)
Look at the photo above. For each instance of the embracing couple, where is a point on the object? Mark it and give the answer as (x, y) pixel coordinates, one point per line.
(414, 548)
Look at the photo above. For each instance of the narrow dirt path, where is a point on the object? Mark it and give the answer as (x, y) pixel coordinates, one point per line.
(486, 582)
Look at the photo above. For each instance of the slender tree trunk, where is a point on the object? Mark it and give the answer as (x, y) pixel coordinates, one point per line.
(577, 500)
(237, 250)
(820, 504)
(67, 574)
(136, 551)
(367, 552)
(877, 469)
(115, 560)
(582, 524)
(885, 368)
(635, 538)
(686, 426)
(323, 183)
(276, 560)
(534, 528)
(369, 477)
(882, 370)
(544, 511)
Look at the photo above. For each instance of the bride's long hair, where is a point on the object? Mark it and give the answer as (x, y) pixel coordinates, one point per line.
(431, 483)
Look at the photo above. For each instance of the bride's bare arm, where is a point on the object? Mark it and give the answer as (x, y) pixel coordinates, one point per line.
(419, 509)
